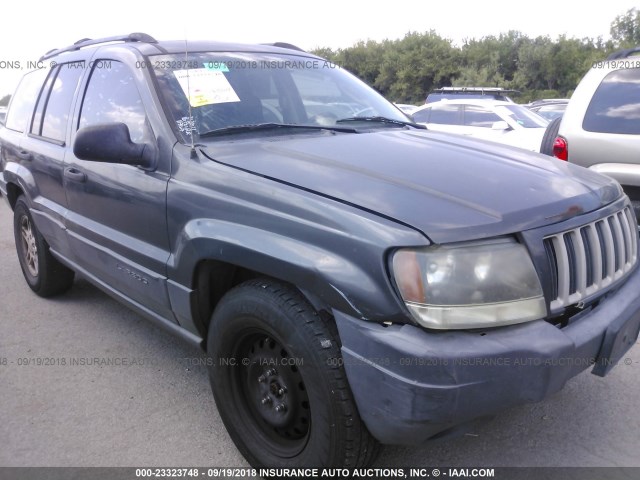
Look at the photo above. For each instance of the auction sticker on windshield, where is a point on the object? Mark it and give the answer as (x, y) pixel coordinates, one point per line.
(203, 86)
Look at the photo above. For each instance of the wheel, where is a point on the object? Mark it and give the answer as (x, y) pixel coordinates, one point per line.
(549, 137)
(45, 275)
(279, 384)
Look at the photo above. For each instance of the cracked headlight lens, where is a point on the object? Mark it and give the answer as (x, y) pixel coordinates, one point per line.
(469, 285)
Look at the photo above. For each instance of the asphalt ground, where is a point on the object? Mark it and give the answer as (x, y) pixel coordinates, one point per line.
(61, 407)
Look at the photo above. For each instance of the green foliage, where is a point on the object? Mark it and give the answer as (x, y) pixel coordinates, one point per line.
(498, 55)
(401, 69)
(625, 29)
(559, 65)
(415, 65)
(406, 70)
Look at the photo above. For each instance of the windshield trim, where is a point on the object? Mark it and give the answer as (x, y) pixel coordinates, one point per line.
(239, 129)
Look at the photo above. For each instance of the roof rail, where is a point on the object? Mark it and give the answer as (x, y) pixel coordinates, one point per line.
(85, 42)
(480, 90)
(623, 53)
(284, 45)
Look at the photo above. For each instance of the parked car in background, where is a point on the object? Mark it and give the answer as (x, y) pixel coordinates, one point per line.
(601, 126)
(503, 122)
(406, 108)
(480, 93)
(549, 108)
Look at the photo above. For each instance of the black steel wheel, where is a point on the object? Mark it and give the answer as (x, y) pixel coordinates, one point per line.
(274, 393)
(278, 383)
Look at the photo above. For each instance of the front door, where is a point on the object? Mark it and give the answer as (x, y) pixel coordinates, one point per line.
(116, 217)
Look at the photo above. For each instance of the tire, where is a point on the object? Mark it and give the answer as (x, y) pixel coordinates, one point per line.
(550, 134)
(45, 275)
(279, 384)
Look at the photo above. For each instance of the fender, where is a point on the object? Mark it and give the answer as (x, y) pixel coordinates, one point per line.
(21, 177)
(333, 251)
(47, 215)
(325, 273)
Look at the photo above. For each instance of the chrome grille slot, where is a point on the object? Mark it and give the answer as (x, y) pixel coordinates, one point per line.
(589, 258)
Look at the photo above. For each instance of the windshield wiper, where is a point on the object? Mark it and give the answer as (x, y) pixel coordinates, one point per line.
(379, 119)
(272, 126)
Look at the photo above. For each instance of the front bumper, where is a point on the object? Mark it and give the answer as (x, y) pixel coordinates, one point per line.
(411, 384)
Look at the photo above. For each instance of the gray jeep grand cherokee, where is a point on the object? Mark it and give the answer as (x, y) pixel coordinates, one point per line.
(353, 278)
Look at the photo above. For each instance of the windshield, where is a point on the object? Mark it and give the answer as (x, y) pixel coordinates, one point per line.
(213, 91)
(522, 116)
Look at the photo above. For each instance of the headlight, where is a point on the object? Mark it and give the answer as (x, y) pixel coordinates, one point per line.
(469, 285)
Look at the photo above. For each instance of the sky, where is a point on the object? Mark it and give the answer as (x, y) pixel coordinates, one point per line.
(29, 28)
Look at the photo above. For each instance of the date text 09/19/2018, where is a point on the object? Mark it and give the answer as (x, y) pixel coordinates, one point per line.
(616, 64)
(371, 473)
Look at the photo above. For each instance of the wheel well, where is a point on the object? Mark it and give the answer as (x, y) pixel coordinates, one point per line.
(13, 192)
(213, 279)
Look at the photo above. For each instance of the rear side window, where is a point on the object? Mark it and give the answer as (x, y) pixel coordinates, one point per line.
(24, 99)
(615, 106)
(445, 114)
(54, 105)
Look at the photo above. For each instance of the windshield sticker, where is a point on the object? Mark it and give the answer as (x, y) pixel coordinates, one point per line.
(186, 125)
(205, 87)
(216, 66)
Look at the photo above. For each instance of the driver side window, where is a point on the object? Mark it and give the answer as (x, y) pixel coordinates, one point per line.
(112, 96)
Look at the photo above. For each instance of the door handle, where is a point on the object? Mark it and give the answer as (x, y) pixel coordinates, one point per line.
(24, 155)
(75, 175)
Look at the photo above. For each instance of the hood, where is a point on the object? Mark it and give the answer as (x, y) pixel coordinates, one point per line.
(448, 187)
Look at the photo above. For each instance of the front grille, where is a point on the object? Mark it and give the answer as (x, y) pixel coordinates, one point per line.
(588, 259)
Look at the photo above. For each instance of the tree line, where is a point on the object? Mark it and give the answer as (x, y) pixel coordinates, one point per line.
(406, 70)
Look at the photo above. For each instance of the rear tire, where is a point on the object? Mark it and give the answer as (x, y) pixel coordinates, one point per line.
(278, 381)
(550, 134)
(45, 275)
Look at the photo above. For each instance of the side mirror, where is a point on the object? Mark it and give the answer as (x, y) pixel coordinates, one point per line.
(111, 143)
(500, 125)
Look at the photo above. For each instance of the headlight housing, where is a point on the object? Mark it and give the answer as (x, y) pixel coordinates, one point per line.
(469, 285)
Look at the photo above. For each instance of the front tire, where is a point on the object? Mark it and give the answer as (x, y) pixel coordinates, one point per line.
(45, 275)
(279, 384)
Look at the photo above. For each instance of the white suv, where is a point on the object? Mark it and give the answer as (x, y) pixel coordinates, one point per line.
(600, 129)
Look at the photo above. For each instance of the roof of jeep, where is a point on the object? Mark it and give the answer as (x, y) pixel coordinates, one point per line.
(178, 46)
(147, 45)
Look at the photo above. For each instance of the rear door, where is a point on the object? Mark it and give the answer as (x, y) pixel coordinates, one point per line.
(45, 118)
